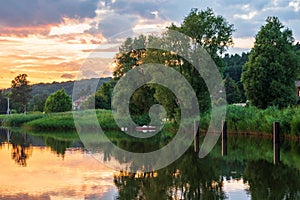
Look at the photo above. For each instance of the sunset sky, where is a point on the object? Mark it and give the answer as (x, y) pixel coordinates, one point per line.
(52, 40)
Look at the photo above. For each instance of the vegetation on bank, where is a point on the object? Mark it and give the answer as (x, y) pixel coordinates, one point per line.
(254, 120)
(240, 120)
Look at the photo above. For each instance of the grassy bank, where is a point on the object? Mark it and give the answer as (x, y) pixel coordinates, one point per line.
(253, 120)
(239, 119)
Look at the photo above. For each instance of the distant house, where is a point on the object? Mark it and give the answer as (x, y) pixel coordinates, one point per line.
(78, 103)
(297, 83)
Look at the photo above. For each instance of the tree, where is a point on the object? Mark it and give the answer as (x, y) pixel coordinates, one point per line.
(37, 103)
(205, 29)
(20, 92)
(102, 98)
(269, 75)
(233, 94)
(3, 102)
(58, 101)
(209, 31)
(234, 68)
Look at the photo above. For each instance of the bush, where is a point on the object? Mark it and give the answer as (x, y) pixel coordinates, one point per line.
(58, 101)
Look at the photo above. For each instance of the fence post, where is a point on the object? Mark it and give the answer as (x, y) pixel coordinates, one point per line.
(224, 139)
(276, 142)
(196, 135)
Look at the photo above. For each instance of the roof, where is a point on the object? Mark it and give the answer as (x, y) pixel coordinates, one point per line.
(297, 83)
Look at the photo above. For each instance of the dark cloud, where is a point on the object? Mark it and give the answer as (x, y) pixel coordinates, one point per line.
(89, 74)
(116, 24)
(67, 76)
(16, 13)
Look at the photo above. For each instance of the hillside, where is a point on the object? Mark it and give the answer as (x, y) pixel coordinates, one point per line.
(41, 91)
(48, 88)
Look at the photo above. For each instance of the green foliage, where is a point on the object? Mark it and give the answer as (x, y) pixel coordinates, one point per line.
(20, 92)
(212, 32)
(130, 54)
(234, 68)
(233, 94)
(19, 119)
(3, 102)
(49, 88)
(61, 121)
(207, 31)
(103, 96)
(254, 120)
(37, 103)
(269, 75)
(58, 101)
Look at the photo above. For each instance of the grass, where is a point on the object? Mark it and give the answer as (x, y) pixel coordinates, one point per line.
(16, 120)
(239, 120)
(253, 120)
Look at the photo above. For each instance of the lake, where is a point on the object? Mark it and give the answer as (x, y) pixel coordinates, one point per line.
(49, 167)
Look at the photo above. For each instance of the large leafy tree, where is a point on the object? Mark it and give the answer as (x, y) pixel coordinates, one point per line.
(209, 31)
(20, 92)
(269, 75)
(58, 101)
(205, 29)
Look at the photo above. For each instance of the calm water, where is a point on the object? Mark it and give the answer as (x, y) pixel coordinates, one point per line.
(46, 167)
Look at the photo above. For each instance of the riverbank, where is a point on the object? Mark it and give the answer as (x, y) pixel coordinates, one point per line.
(240, 120)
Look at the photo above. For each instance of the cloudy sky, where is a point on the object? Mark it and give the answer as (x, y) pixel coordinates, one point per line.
(50, 40)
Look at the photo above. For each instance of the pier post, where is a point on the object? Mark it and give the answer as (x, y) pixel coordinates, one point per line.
(276, 142)
(224, 138)
(196, 136)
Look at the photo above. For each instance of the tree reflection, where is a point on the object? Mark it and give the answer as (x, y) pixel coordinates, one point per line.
(21, 149)
(269, 181)
(187, 178)
(20, 153)
(58, 146)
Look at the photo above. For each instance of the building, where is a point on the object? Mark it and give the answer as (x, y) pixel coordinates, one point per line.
(297, 83)
(78, 103)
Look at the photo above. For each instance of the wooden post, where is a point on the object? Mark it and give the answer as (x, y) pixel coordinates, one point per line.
(8, 107)
(224, 139)
(196, 136)
(276, 142)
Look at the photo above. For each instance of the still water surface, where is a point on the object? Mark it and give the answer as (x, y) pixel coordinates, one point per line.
(45, 167)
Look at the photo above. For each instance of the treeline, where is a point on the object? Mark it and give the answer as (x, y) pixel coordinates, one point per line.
(38, 93)
(264, 77)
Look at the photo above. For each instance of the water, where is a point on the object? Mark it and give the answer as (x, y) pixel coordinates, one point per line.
(50, 167)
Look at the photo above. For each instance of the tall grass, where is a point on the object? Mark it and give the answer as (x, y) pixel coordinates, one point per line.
(61, 121)
(19, 119)
(251, 119)
(239, 119)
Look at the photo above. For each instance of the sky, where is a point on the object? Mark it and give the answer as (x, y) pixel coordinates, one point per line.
(61, 40)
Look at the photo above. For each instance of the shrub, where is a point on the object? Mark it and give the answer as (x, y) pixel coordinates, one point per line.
(58, 101)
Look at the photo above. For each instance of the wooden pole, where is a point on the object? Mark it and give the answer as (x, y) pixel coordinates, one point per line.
(224, 139)
(196, 136)
(276, 142)
(8, 107)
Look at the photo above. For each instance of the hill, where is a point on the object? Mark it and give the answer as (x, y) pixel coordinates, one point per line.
(41, 91)
(48, 88)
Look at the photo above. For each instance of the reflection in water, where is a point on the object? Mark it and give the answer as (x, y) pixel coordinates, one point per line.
(20, 153)
(187, 178)
(246, 172)
(58, 146)
(268, 181)
(78, 176)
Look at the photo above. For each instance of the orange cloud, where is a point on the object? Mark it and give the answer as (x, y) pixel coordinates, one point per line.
(24, 31)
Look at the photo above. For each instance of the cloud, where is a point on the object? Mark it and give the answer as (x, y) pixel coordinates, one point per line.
(15, 13)
(67, 76)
